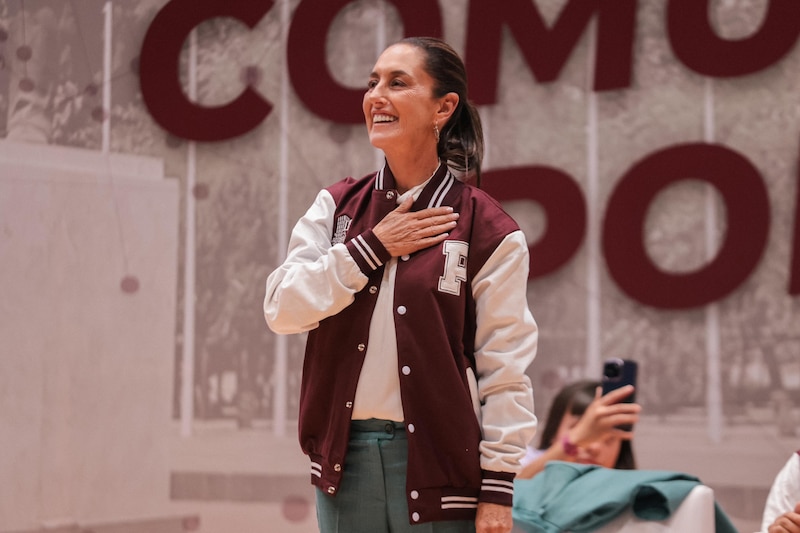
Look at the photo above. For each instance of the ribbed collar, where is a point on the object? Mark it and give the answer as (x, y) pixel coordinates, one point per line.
(432, 195)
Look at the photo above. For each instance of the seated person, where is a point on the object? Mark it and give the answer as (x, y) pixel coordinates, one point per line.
(581, 428)
(782, 510)
(584, 477)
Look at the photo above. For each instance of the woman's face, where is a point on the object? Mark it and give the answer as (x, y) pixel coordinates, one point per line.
(399, 106)
(603, 452)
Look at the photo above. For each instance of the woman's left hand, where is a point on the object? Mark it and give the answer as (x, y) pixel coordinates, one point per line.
(493, 518)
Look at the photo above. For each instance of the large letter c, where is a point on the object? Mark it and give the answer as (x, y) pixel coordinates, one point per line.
(159, 72)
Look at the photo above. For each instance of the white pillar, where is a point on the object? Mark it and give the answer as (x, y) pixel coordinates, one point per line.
(593, 340)
(188, 355)
(713, 365)
(280, 375)
(108, 11)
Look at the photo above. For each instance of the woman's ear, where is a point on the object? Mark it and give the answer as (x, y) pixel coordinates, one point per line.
(447, 106)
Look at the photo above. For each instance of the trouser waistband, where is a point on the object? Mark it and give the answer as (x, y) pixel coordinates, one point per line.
(374, 425)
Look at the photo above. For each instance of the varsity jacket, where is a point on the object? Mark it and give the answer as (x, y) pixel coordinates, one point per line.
(464, 339)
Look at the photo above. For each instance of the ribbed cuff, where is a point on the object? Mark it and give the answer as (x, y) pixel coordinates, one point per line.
(367, 251)
(497, 487)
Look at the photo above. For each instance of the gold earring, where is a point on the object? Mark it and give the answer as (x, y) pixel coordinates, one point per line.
(436, 131)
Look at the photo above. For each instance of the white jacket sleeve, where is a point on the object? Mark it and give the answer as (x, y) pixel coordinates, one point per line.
(506, 338)
(784, 494)
(317, 279)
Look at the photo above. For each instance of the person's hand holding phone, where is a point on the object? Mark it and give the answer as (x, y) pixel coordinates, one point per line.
(604, 415)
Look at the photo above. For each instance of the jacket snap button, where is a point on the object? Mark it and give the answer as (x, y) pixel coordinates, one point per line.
(331, 490)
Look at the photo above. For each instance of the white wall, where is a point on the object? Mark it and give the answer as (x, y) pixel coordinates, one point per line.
(86, 369)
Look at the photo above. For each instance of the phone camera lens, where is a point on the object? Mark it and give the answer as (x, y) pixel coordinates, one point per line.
(612, 370)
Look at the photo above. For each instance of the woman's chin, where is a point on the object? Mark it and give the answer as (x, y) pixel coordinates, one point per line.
(379, 140)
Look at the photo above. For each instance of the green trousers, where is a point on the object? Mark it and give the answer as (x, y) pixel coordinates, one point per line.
(372, 495)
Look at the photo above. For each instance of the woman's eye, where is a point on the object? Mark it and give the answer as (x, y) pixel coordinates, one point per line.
(397, 83)
(371, 84)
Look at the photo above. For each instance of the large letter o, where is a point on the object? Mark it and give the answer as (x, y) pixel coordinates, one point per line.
(697, 45)
(747, 205)
(308, 66)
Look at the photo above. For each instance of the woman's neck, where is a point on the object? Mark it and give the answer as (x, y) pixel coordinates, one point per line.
(408, 173)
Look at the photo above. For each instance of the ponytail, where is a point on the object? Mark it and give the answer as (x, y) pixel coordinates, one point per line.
(461, 142)
(461, 139)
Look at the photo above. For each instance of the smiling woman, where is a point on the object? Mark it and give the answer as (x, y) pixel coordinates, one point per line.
(415, 406)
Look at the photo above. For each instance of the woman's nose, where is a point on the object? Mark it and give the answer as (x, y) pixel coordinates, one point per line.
(377, 92)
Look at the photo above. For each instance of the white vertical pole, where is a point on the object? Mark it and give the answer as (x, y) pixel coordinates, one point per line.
(380, 44)
(188, 355)
(593, 348)
(713, 364)
(108, 11)
(281, 374)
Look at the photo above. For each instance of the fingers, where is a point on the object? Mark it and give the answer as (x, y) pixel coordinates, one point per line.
(620, 408)
(618, 415)
(609, 419)
(433, 227)
(436, 216)
(786, 523)
(437, 228)
(618, 395)
(404, 232)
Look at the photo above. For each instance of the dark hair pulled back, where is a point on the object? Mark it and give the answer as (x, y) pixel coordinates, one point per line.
(461, 139)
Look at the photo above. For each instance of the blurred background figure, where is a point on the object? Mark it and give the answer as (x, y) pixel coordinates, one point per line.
(580, 428)
(782, 510)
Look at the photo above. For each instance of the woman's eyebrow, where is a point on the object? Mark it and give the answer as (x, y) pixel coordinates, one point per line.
(374, 74)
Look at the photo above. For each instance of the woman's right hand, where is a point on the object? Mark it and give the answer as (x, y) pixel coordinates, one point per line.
(603, 415)
(787, 522)
(404, 232)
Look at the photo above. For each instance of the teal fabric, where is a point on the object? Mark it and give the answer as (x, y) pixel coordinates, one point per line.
(583, 498)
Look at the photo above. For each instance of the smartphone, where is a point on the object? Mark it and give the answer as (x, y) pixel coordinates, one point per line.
(618, 373)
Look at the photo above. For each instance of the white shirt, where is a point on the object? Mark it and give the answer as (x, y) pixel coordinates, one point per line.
(378, 391)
